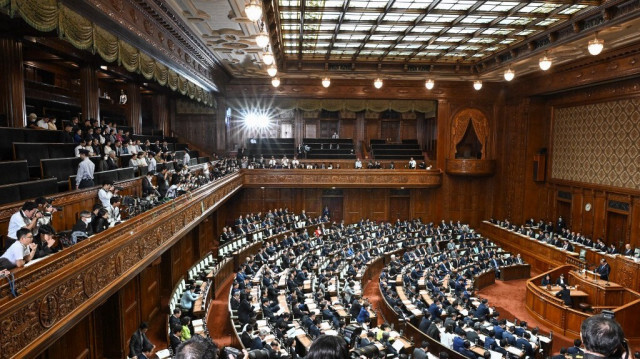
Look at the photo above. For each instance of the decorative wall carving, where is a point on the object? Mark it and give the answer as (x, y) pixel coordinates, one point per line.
(343, 178)
(598, 143)
(42, 306)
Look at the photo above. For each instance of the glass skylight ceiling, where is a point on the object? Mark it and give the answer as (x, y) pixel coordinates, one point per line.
(414, 30)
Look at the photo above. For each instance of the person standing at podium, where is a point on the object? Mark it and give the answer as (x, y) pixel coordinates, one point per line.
(603, 269)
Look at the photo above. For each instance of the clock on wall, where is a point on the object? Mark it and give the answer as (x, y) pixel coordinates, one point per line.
(587, 207)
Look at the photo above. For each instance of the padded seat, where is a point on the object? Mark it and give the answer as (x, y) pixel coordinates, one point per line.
(14, 172)
(22, 191)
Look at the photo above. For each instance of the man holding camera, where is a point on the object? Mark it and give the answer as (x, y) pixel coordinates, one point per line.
(27, 217)
(105, 193)
(46, 208)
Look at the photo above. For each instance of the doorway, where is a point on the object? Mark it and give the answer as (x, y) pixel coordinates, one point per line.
(335, 207)
(398, 208)
(616, 229)
(564, 211)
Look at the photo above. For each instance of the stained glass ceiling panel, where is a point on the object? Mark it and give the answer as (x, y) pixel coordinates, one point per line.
(415, 30)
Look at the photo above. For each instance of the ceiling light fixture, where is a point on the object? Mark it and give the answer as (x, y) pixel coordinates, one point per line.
(262, 39)
(267, 57)
(326, 82)
(275, 81)
(477, 84)
(429, 84)
(378, 83)
(596, 45)
(272, 70)
(509, 74)
(545, 62)
(253, 10)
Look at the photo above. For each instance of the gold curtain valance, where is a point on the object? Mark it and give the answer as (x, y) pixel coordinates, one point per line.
(311, 105)
(81, 32)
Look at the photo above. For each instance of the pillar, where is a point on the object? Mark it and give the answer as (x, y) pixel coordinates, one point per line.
(221, 125)
(89, 93)
(160, 114)
(134, 107)
(12, 96)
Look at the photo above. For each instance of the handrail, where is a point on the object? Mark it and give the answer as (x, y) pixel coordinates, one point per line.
(97, 268)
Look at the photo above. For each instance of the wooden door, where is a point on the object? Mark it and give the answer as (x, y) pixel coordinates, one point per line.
(398, 208)
(390, 130)
(335, 207)
(616, 229)
(564, 211)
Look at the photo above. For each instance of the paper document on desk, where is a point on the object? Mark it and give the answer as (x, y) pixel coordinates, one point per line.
(398, 345)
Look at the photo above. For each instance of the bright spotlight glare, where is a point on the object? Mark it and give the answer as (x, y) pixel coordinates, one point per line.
(256, 120)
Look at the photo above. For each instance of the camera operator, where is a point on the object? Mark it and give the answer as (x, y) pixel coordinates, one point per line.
(27, 218)
(105, 193)
(47, 209)
(602, 337)
(162, 181)
(114, 211)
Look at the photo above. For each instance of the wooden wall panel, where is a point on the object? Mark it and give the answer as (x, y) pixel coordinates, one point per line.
(372, 129)
(77, 343)
(150, 292)
(348, 128)
(409, 130)
(130, 312)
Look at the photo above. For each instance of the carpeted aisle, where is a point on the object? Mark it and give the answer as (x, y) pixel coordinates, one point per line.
(509, 299)
(219, 321)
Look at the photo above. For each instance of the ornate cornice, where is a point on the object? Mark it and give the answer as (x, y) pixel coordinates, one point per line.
(343, 178)
(146, 29)
(96, 268)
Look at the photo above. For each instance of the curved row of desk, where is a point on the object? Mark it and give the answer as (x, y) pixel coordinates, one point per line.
(596, 295)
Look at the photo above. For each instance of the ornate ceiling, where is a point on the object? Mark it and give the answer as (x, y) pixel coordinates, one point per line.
(408, 39)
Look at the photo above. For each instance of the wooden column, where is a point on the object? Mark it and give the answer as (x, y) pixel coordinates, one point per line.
(298, 126)
(89, 93)
(134, 107)
(160, 113)
(360, 132)
(12, 97)
(221, 125)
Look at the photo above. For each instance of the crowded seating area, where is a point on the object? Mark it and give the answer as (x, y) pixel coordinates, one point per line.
(297, 287)
(34, 224)
(42, 161)
(432, 289)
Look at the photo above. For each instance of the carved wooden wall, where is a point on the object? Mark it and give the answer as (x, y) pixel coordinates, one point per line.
(462, 120)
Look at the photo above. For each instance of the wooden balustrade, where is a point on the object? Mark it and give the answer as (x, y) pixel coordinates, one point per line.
(63, 288)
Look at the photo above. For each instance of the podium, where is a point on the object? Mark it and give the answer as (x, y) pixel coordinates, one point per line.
(600, 293)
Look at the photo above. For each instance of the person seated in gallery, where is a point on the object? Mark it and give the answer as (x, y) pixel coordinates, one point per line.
(546, 280)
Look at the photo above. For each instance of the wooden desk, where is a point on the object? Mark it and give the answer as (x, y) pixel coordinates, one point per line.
(543, 257)
(516, 271)
(600, 293)
(485, 279)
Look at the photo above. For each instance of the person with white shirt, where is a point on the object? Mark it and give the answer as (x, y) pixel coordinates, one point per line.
(20, 251)
(358, 164)
(412, 164)
(114, 211)
(187, 158)
(43, 123)
(152, 163)
(272, 162)
(285, 161)
(86, 168)
(295, 163)
(80, 146)
(27, 217)
(106, 193)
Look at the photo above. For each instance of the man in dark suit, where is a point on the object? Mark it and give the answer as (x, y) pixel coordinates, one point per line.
(111, 163)
(565, 295)
(421, 352)
(139, 345)
(575, 349)
(604, 269)
(174, 319)
(523, 343)
(561, 281)
(147, 185)
(482, 310)
(174, 338)
(628, 251)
